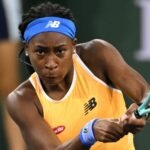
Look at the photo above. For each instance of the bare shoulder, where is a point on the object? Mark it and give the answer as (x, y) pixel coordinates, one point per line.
(101, 50)
(100, 56)
(95, 45)
(21, 100)
(23, 91)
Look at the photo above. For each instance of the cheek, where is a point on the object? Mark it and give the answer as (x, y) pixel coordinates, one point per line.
(67, 62)
(37, 65)
(66, 65)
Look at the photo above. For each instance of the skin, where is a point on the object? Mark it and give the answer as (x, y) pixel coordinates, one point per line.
(51, 56)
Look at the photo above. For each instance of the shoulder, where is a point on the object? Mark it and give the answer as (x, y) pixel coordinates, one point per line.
(94, 45)
(20, 100)
(21, 92)
(102, 58)
(99, 49)
(98, 55)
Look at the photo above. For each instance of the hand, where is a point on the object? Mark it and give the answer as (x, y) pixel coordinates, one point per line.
(108, 130)
(130, 123)
(148, 118)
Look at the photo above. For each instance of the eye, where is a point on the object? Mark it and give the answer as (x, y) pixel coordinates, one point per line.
(40, 51)
(60, 51)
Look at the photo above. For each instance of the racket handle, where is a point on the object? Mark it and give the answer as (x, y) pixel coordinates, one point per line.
(137, 115)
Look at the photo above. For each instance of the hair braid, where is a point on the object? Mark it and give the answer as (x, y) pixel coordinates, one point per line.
(44, 10)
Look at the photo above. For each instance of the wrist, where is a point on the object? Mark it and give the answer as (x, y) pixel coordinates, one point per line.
(87, 136)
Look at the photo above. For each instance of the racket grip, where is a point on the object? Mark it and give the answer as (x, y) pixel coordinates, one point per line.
(137, 115)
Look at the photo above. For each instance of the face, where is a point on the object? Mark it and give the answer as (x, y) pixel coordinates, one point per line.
(50, 54)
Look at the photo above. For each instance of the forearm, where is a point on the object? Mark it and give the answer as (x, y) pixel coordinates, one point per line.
(83, 141)
(136, 92)
(138, 89)
(37, 139)
(133, 85)
(74, 144)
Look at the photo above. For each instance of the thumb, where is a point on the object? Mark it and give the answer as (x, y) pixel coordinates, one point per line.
(125, 117)
(131, 109)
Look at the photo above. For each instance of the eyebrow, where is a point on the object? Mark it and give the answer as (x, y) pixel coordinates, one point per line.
(56, 46)
(43, 47)
(60, 45)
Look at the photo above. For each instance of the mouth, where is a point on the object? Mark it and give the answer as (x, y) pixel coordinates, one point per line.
(50, 79)
(51, 75)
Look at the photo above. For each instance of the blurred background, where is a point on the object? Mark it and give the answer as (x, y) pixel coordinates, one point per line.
(125, 24)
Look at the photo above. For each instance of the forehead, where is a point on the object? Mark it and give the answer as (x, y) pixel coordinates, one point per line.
(50, 38)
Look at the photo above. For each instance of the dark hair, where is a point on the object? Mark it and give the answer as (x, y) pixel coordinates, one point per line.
(44, 10)
(39, 11)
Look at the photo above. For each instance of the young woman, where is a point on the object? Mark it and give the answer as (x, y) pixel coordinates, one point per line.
(73, 98)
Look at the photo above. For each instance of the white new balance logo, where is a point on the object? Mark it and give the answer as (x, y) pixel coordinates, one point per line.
(53, 24)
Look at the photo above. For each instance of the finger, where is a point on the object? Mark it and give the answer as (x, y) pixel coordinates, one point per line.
(108, 137)
(136, 122)
(135, 130)
(131, 109)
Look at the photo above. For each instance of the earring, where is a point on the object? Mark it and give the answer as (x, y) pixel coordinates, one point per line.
(74, 51)
(26, 53)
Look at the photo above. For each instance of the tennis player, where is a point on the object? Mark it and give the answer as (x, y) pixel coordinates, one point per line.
(73, 99)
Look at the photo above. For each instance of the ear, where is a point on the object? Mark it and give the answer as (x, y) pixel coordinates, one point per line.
(74, 42)
(25, 46)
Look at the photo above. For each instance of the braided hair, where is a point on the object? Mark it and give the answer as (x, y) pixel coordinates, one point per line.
(42, 10)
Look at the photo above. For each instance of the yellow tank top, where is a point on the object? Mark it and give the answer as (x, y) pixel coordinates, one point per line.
(88, 98)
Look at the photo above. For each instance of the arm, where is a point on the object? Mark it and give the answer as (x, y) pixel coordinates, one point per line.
(38, 134)
(114, 68)
(128, 80)
(123, 76)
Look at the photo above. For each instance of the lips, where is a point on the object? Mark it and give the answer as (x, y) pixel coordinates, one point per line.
(51, 75)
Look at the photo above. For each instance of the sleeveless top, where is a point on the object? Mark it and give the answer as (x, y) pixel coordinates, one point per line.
(88, 98)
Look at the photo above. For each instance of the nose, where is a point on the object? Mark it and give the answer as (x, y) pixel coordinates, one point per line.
(51, 63)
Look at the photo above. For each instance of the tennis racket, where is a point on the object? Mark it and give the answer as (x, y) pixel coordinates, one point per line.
(144, 108)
